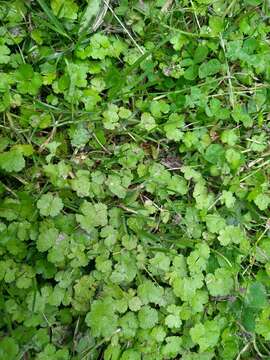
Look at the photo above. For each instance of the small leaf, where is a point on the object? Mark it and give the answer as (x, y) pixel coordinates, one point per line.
(230, 235)
(256, 296)
(262, 201)
(148, 317)
(49, 205)
(47, 239)
(215, 154)
(209, 68)
(4, 54)
(8, 348)
(12, 161)
(206, 335)
(263, 324)
(102, 318)
(220, 283)
(64, 9)
(215, 223)
(147, 122)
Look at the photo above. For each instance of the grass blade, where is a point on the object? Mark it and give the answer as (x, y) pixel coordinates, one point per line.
(54, 22)
(90, 13)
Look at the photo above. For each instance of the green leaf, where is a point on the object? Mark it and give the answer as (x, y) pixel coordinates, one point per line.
(216, 24)
(129, 325)
(160, 263)
(158, 108)
(221, 283)
(263, 324)
(215, 223)
(93, 216)
(234, 158)
(185, 288)
(206, 335)
(115, 185)
(172, 127)
(256, 296)
(135, 303)
(125, 271)
(229, 137)
(197, 259)
(79, 136)
(173, 320)
(209, 68)
(131, 354)
(231, 235)
(173, 347)
(12, 161)
(102, 318)
(191, 72)
(50, 352)
(201, 194)
(4, 54)
(253, 2)
(90, 99)
(228, 199)
(81, 184)
(248, 318)
(50, 205)
(178, 41)
(8, 348)
(147, 122)
(215, 109)
(63, 9)
(28, 81)
(111, 117)
(215, 154)
(112, 352)
(158, 333)
(200, 53)
(259, 142)
(262, 201)
(52, 146)
(148, 317)
(148, 292)
(240, 115)
(25, 149)
(47, 239)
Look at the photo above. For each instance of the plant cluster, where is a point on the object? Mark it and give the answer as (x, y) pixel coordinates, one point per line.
(134, 180)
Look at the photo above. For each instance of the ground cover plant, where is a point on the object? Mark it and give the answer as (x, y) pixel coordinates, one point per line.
(134, 180)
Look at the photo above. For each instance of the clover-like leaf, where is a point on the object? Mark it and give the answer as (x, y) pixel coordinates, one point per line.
(230, 235)
(28, 81)
(147, 122)
(102, 318)
(12, 161)
(209, 68)
(50, 205)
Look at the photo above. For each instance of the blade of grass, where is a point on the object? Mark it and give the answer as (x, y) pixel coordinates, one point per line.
(189, 34)
(124, 27)
(90, 12)
(50, 26)
(231, 91)
(55, 24)
(100, 17)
